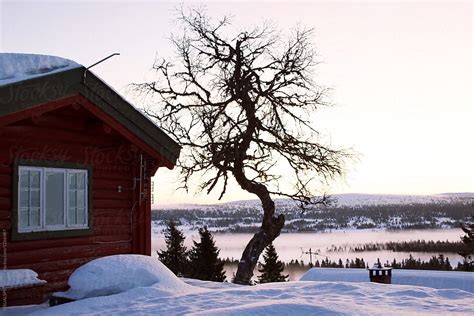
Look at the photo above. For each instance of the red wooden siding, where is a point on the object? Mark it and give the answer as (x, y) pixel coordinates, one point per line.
(71, 133)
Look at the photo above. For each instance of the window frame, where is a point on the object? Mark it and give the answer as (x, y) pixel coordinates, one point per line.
(51, 231)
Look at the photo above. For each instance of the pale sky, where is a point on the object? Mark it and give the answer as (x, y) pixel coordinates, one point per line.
(401, 74)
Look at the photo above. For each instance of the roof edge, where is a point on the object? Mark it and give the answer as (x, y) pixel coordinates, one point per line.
(25, 94)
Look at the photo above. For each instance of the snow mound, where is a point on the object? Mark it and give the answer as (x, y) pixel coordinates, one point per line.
(18, 67)
(285, 298)
(435, 279)
(12, 278)
(120, 273)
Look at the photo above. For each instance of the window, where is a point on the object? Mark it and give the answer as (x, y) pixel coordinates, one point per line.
(52, 199)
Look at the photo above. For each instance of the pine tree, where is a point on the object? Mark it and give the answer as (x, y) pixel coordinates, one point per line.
(340, 265)
(468, 249)
(175, 257)
(272, 267)
(204, 259)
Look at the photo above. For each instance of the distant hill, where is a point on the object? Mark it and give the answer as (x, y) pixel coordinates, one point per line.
(350, 199)
(348, 211)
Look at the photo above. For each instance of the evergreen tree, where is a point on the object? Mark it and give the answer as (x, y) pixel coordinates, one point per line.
(204, 259)
(175, 257)
(272, 267)
(468, 249)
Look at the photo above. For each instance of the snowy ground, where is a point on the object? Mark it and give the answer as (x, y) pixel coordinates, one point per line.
(435, 279)
(173, 296)
(293, 298)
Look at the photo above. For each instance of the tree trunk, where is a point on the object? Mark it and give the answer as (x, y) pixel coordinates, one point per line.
(268, 232)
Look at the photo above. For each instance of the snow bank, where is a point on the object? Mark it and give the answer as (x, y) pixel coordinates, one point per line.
(120, 273)
(434, 279)
(287, 298)
(12, 278)
(18, 67)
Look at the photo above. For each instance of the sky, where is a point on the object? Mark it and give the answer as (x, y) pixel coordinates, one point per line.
(401, 74)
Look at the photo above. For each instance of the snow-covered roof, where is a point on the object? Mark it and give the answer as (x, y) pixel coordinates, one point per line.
(13, 278)
(65, 78)
(16, 67)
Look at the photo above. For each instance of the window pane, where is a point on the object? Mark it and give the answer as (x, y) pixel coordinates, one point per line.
(34, 218)
(24, 176)
(81, 216)
(34, 179)
(34, 198)
(54, 198)
(81, 179)
(81, 198)
(23, 218)
(72, 216)
(72, 181)
(24, 198)
(72, 198)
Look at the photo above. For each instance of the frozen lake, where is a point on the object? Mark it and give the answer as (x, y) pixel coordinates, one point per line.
(290, 245)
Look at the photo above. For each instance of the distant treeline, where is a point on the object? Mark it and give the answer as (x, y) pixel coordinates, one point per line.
(439, 262)
(324, 263)
(397, 216)
(405, 246)
(435, 263)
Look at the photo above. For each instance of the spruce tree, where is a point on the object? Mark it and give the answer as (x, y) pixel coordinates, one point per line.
(468, 249)
(204, 259)
(272, 268)
(175, 257)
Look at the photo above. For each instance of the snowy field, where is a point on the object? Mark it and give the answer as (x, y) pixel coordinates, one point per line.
(170, 295)
(433, 279)
(292, 298)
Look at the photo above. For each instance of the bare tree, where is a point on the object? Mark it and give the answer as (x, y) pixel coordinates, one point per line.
(240, 107)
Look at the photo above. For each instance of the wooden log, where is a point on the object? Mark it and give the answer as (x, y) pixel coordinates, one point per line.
(111, 212)
(57, 286)
(65, 253)
(111, 194)
(5, 203)
(5, 224)
(57, 276)
(6, 180)
(101, 203)
(5, 214)
(51, 266)
(5, 192)
(25, 132)
(111, 220)
(107, 230)
(19, 246)
(35, 294)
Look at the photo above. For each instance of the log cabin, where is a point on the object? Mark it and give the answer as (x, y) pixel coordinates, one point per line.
(76, 161)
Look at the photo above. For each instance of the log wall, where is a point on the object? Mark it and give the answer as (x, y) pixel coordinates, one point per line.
(120, 222)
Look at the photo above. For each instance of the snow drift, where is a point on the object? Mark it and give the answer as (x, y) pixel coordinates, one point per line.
(287, 298)
(119, 273)
(11, 278)
(434, 279)
(169, 295)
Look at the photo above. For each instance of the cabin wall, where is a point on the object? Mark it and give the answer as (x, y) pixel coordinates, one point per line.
(73, 135)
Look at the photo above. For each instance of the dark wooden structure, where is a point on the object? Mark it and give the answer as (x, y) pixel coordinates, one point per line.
(72, 121)
(380, 274)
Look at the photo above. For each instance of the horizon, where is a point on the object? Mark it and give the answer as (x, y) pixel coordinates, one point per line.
(401, 75)
(455, 194)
